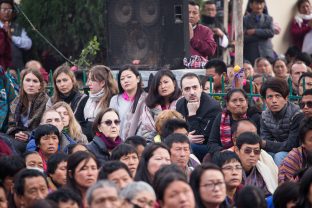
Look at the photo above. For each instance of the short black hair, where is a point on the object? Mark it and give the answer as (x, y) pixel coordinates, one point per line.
(189, 75)
(171, 125)
(284, 193)
(176, 138)
(54, 160)
(305, 126)
(248, 138)
(11, 165)
(219, 66)
(136, 141)
(194, 3)
(19, 179)
(122, 150)
(307, 92)
(277, 85)
(234, 90)
(221, 158)
(250, 197)
(258, 1)
(167, 177)
(46, 129)
(65, 195)
(110, 167)
(7, 2)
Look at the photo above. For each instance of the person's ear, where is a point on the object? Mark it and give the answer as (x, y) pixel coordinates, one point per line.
(236, 150)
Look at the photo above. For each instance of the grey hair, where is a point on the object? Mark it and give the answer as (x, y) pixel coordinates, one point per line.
(100, 184)
(134, 188)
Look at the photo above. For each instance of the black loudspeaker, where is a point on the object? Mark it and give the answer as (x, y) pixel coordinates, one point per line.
(155, 32)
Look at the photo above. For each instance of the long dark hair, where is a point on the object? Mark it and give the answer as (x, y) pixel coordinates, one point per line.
(196, 178)
(142, 173)
(22, 94)
(153, 98)
(139, 85)
(72, 163)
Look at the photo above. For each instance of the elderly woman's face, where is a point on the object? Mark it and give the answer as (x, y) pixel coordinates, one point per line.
(109, 125)
(305, 8)
(144, 199)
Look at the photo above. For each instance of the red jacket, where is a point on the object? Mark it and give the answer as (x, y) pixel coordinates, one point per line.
(298, 32)
(202, 43)
(5, 49)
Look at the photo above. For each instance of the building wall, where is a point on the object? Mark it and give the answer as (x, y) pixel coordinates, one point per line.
(282, 12)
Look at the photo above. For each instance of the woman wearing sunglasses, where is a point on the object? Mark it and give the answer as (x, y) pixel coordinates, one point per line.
(298, 159)
(106, 128)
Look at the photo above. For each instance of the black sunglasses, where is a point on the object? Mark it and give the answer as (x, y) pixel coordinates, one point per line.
(110, 122)
(250, 150)
(302, 104)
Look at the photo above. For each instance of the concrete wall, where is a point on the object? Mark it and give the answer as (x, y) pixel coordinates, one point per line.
(282, 12)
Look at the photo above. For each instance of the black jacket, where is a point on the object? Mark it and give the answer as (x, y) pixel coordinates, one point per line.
(99, 149)
(205, 115)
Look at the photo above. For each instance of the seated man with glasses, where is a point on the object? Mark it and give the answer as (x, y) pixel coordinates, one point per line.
(232, 170)
(18, 35)
(306, 103)
(256, 173)
(280, 121)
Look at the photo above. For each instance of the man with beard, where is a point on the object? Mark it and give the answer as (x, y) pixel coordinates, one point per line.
(280, 121)
(306, 103)
(199, 110)
(209, 19)
(201, 37)
(256, 173)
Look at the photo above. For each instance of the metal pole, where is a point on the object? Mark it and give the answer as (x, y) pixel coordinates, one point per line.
(226, 24)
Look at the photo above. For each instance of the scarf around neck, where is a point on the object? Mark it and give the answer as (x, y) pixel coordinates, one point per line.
(68, 98)
(91, 108)
(300, 17)
(110, 144)
(225, 130)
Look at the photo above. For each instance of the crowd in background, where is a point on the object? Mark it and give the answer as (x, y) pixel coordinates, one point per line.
(173, 143)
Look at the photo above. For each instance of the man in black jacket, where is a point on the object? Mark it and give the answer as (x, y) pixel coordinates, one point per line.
(199, 110)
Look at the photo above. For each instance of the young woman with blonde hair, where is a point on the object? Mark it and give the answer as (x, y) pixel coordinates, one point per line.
(71, 125)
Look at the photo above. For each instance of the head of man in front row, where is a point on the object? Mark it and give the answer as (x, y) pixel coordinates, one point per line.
(200, 111)
(280, 121)
(248, 149)
(29, 186)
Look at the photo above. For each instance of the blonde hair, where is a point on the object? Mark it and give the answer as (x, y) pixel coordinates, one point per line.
(165, 115)
(74, 127)
(103, 73)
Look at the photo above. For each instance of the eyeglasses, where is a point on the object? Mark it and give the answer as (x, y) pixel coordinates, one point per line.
(250, 150)
(212, 186)
(110, 122)
(303, 104)
(232, 168)
(4, 10)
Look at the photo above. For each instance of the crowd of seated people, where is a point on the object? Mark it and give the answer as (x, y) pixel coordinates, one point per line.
(194, 141)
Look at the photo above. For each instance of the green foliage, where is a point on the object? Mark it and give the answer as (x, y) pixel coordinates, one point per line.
(87, 53)
(69, 25)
